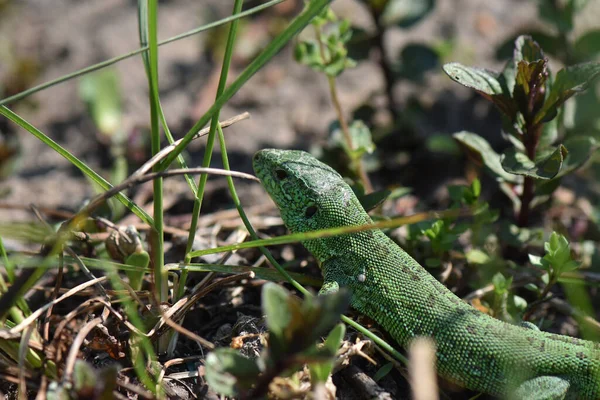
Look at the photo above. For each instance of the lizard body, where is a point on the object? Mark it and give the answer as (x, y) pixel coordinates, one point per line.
(473, 349)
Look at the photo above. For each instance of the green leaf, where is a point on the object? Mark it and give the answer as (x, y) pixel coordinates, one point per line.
(87, 379)
(529, 91)
(84, 376)
(319, 372)
(527, 49)
(558, 255)
(434, 230)
(294, 325)
(433, 262)
(519, 302)
(442, 143)
(580, 150)
(549, 134)
(57, 392)
(587, 46)
(545, 188)
(487, 83)
(362, 140)
(479, 149)
(416, 60)
(308, 53)
(547, 168)
(324, 313)
(507, 50)
(101, 91)
(484, 81)
(277, 304)
(535, 260)
(476, 256)
(335, 337)
(569, 81)
(501, 283)
(383, 371)
(325, 16)
(532, 287)
(476, 188)
(227, 371)
(404, 13)
(338, 64)
(107, 378)
(372, 200)
(527, 75)
(141, 260)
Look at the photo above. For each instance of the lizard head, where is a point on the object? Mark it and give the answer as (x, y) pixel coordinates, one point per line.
(309, 194)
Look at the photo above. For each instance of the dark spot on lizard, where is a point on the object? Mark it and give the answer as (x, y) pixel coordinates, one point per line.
(471, 329)
(530, 339)
(581, 356)
(543, 346)
(475, 312)
(431, 300)
(415, 277)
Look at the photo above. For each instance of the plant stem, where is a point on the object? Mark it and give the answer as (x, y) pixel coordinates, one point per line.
(156, 234)
(526, 197)
(358, 164)
(383, 61)
(541, 298)
(212, 134)
(532, 137)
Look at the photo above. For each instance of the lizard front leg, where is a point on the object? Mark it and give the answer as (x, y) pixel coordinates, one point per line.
(542, 388)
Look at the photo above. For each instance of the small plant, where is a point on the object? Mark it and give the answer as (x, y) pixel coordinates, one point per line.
(87, 382)
(338, 45)
(506, 305)
(529, 99)
(443, 234)
(555, 262)
(328, 53)
(294, 328)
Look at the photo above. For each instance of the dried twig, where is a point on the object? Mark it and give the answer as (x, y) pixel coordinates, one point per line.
(37, 313)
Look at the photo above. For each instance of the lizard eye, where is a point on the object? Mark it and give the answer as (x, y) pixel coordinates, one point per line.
(281, 174)
(310, 211)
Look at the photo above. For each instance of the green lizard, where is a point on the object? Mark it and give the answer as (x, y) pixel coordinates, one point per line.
(474, 350)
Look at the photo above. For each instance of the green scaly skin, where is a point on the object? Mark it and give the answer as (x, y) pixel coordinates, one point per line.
(473, 349)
